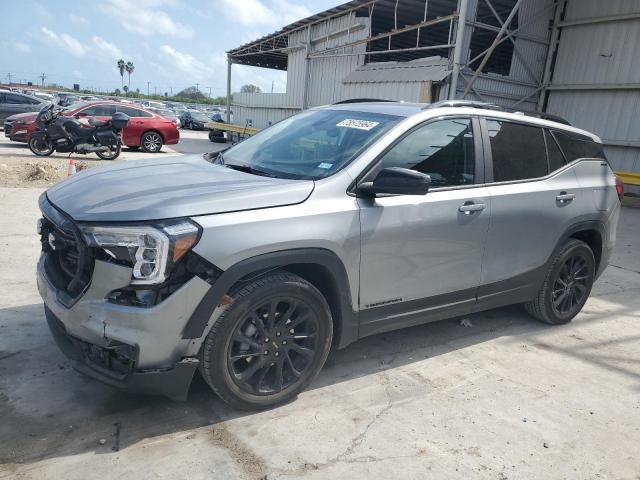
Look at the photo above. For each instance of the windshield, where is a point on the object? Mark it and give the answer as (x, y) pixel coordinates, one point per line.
(310, 145)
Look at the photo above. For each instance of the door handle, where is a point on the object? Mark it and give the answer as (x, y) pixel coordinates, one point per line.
(565, 197)
(470, 207)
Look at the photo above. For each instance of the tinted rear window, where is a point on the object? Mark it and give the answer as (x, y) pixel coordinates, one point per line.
(578, 146)
(518, 151)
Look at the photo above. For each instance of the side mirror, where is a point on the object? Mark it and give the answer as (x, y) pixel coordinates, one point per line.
(397, 181)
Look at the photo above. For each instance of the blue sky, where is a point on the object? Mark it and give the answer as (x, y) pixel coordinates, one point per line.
(173, 43)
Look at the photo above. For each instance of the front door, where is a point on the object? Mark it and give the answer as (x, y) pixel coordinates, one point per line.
(421, 256)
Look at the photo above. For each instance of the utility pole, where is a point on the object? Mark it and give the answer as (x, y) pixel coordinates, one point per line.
(42, 77)
(272, 86)
(9, 77)
(209, 91)
(155, 90)
(148, 88)
(197, 85)
(171, 90)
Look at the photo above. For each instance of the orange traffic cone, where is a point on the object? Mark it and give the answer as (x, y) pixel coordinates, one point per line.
(72, 168)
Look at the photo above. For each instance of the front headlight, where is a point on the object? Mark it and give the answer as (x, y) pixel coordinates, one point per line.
(148, 249)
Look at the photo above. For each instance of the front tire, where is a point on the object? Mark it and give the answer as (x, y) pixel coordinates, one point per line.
(151, 142)
(567, 285)
(269, 343)
(42, 147)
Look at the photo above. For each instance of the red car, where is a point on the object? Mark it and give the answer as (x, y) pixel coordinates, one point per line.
(146, 129)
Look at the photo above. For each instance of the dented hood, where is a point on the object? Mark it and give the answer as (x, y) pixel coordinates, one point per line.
(184, 186)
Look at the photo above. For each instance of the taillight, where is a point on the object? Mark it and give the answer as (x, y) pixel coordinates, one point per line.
(619, 187)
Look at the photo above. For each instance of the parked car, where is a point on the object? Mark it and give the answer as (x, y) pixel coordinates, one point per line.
(146, 130)
(194, 120)
(12, 103)
(337, 223)
(216, 135)
(67, 99)
(166, 113)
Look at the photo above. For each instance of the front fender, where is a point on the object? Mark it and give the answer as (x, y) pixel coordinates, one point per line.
(323, 258)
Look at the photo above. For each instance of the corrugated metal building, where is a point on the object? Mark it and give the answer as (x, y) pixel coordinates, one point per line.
(594, 78)
(419, 51)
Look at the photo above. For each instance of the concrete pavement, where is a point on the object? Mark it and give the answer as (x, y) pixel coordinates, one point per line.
(507, 397)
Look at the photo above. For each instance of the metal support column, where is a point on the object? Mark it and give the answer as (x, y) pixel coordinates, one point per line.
(553, 45)
(307, 61)
(495, 43)
(459, 46)
(229, 89)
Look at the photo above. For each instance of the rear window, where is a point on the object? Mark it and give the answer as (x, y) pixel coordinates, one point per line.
(518, 151)
(578, 146)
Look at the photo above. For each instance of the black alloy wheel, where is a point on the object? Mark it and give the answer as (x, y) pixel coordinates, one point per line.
(567, 285)
(273, 346)
(570, 286)
(269, 343)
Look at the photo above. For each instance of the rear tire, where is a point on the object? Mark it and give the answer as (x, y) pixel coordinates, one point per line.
(112, 155)
(269, 343)
(151, 142)
(567, 285)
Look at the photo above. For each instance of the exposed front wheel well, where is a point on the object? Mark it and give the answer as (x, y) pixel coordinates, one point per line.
(321, 278)
(593, 238)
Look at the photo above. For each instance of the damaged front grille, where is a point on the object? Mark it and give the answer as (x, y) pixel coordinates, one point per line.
(67, 260)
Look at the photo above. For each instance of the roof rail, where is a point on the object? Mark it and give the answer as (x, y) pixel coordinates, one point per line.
(362, 100)
(493, 106)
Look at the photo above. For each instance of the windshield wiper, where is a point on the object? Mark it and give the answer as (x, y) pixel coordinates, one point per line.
(248, 169)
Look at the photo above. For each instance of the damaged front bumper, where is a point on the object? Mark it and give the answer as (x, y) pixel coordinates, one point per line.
(133, 348)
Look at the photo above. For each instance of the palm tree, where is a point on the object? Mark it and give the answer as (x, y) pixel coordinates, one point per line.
(130, 67)
(121, 67)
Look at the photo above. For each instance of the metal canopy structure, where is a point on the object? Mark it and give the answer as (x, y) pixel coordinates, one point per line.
(481, 51)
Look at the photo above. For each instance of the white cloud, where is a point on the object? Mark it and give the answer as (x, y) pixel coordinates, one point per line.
(106, 50)
(256, 13)
(65, 41)
(185, 63)
(78, 19)
(97, 47)
(145, 18)
(21, 47)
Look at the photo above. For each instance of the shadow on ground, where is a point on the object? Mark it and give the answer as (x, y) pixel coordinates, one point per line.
(52, 411)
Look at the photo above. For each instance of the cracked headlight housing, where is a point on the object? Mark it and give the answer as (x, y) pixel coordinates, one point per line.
(150, 250)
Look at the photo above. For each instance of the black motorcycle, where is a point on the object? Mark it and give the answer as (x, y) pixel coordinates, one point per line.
(64, 134)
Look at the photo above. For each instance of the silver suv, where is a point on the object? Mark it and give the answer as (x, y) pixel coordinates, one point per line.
(341, 222)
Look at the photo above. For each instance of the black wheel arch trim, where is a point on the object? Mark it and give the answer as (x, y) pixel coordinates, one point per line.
(347, 325)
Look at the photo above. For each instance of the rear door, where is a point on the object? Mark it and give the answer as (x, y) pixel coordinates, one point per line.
(535, 197)
(421, 255)
(138, 124)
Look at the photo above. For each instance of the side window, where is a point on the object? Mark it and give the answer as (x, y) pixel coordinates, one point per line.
(517, 150)
(103, 110)
(132, 112)
(2, 98)
(90, 111)
(556, 158)
(16, 99)
(442, 149)
(577, 146)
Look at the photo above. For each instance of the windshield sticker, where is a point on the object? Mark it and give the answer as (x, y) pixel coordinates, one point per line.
(325, 165)
(359, 124)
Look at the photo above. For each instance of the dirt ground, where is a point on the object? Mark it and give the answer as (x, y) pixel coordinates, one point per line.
(21, 168)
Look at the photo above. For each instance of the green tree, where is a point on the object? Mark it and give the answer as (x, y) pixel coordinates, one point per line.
(121, 67)
(129, 67)
(250, 88)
